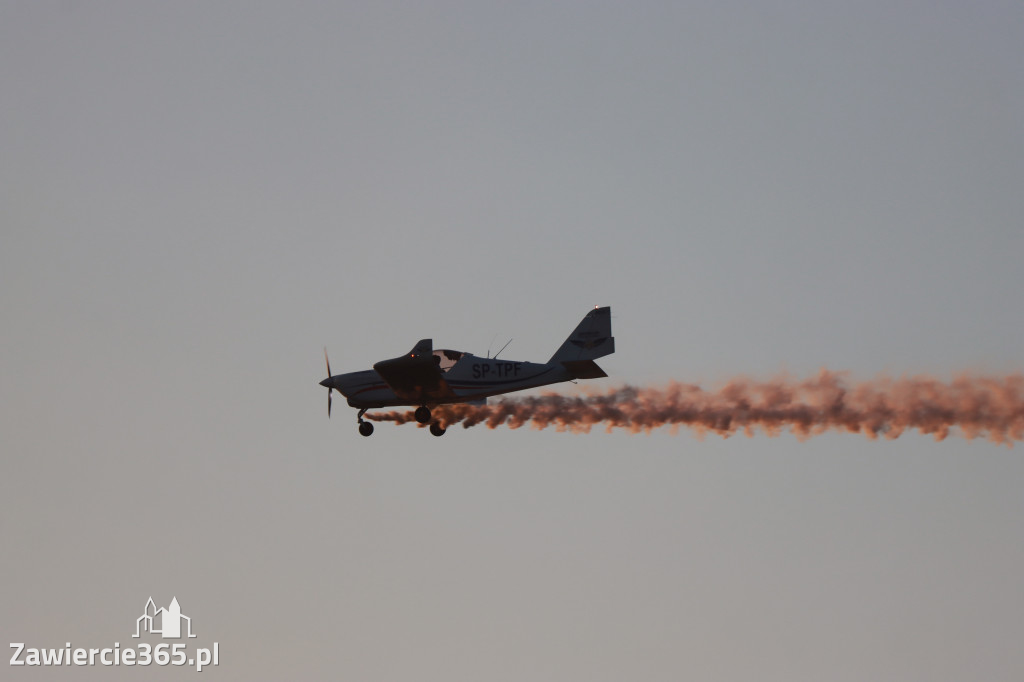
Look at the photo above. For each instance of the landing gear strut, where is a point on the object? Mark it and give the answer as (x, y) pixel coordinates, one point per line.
(365, 427)
(437, 429)
(422, 414)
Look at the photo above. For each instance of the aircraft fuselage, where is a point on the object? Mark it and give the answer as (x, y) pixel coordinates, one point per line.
(470, 379)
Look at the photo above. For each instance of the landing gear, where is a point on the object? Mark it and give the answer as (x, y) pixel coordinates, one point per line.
(422, 416)
(365, 427)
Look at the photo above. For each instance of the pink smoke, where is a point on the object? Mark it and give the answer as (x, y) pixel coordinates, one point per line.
(971, 406)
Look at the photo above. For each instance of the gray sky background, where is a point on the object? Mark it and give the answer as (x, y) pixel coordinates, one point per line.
(197, 197)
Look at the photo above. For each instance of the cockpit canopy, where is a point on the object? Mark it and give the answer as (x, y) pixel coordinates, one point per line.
(446, 359)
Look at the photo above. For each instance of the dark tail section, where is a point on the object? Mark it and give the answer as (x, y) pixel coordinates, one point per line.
(591, 339)
(583, 369)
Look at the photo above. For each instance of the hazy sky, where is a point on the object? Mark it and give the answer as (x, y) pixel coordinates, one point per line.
(197, 197)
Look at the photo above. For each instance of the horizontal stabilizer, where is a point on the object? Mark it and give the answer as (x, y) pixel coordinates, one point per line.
(583, 369)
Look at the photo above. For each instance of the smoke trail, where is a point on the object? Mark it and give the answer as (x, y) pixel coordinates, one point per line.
(971, 406)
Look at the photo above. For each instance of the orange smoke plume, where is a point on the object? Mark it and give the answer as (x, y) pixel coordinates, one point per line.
(971, 406)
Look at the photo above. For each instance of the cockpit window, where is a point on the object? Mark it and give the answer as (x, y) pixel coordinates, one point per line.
(446, 359)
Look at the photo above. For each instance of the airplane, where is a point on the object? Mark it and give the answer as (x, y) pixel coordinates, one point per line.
(426, 378)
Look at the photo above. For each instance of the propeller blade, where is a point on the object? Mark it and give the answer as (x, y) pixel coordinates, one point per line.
(329, 389)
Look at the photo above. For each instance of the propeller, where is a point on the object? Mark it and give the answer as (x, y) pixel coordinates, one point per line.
(329, 388)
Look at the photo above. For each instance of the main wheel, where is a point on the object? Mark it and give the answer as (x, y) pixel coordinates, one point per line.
(365, 428)
(423, 414)
(437, 429)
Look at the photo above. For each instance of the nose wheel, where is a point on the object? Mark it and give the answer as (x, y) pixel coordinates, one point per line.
(365, 427)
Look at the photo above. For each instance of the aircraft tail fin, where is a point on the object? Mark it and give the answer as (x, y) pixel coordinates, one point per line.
(591, 339)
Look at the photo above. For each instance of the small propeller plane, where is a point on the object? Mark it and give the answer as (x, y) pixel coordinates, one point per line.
(424, 377)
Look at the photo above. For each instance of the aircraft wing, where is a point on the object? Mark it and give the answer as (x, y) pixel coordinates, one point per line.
(415, 376)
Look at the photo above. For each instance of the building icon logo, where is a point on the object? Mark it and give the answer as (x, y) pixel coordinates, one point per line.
(164, 622)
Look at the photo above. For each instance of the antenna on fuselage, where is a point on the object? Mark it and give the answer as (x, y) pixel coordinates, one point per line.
(489, 346)
(502, 348)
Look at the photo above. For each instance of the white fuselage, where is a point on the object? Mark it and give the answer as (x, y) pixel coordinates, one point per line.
(471, 378)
